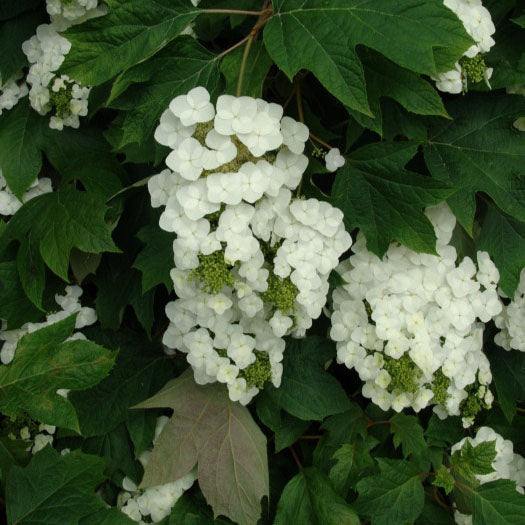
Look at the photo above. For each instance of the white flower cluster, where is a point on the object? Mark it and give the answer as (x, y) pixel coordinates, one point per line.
(512, 320)
(71, 9)
(478, 23)
(408, 324)
(154, 503)
(506, 464)
(36, 443)
(11, 92)
(9, 203)
(45, 52)
(252, 262)
(69, 304)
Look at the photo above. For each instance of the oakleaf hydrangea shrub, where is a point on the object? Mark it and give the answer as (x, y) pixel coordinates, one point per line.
(252, 259)
(262, 262)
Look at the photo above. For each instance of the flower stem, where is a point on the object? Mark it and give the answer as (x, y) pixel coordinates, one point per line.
(296, 458)
(320, 141)
(243, 62)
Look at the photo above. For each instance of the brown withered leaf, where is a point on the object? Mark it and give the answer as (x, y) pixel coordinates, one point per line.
(221, 438)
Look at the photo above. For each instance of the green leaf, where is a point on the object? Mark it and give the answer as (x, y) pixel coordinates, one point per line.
(379, 196)
(508, 372)
(155, 259)
(83, 264)
(15, 307)
(434, 515)
(116, 447)
(13, 33)
(20, 138)
(84, 155)
(54, 489)
(309, 499)
(112, 300)
(132, 31)
(140, 370)
(394, 496)
(289, 431)
(408, 433)
(12, 452)
(219, 436)
(307, 391)
(256, 70)
(340, 429)
(45, 362)
(498, 503)
(444, 431)
(507, 57)
(444, 479)
(59, 221)
(386, 79)
(480, 151)
(322, 37)
(352, 463)
(470, 461)
(81, 155)
(191, 509)
(141, 427)
(113, 516)
(31, 270)
(504, 238)
(178, 68)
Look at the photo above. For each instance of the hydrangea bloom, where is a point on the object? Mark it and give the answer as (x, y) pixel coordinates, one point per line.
(334, 160)
(70, 9)
(69, 304)
(251, 260)
(478, 24)
(410, 324)
(154, 503)
(45, 51)
(9, 204)
(506, 464)
(11, 92)
(512, 320)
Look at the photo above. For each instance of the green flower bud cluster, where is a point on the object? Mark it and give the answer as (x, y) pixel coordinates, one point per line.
(473, 68)
(259, 372)
(403, 372)
(281, 292)
(473, 403)
(60, 100)
(213, 273)
(439, 387)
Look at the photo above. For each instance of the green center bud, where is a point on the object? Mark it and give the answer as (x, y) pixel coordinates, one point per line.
(472, 404)
(281, 292)
(259, 372)
(404, 373)
(213, 273)
(60, 100)
(439, 387)
(473, 68)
